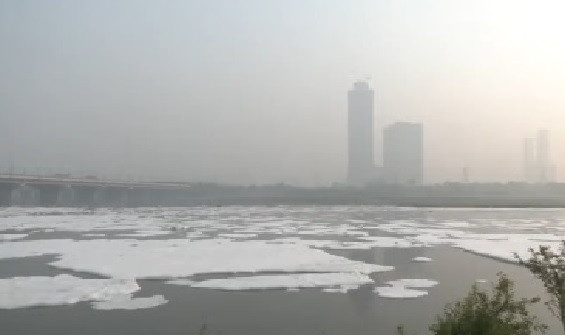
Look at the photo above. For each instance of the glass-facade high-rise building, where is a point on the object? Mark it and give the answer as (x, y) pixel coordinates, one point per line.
(361, 164)
(537, 163)
(403, 153)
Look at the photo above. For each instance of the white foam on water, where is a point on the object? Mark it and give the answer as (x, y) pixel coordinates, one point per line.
(383, 241)
(145, 234)
(335, 290)
(237, 235)
(235, 222)
(33, 248)
(374, 242)
(176, 258)
(195, 235)
(20, 292)
(357, 221)
(180, 282)
(349, 245)
(504, 249)
(501, 246)
(315, 232)
(356, 233)
(430, 240)
(404, 288)
(12, 236)
(75, 220)
(300, 280)
(422, 259)
(343, 289)
(412, 283)
(94, 235)
(456, 224)
(399, 292)
(126, 302)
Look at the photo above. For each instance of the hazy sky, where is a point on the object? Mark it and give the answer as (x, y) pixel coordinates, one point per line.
(255, 91)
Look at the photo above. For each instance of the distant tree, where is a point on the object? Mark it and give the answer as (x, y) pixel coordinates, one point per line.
(480, 313)
(549, 267)
(203, 328)
(400, 329)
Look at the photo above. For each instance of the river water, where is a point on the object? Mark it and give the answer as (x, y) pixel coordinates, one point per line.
(109, 270)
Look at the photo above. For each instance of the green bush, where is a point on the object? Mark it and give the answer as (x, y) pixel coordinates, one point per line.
(480, 313)
(549, 267)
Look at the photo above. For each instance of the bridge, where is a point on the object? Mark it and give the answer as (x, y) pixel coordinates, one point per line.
(88, 191)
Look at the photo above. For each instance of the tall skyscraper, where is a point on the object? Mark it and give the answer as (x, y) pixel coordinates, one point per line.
(529, 161)
(537, 165)
(403, 153)
(361, 164)
(542, 156)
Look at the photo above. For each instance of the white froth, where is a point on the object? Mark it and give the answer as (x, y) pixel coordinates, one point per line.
(179, 258)
(374, 242)
(12, 236)
(505, 249)
(399, 292)
(383, 241)
(176, 258)
(237, 235)
(180, 282)
(145, 234)
(412, 283)
(301, 280)
(422, 259)
(20, 292)
(404, 288)
(457, 224)
(335, 290)
(126, 302)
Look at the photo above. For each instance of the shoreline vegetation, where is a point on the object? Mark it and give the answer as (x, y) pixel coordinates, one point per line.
(498, 312)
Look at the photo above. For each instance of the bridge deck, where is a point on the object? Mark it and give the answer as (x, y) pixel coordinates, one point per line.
(77, 181)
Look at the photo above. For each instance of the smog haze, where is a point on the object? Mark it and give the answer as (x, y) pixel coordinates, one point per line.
(255, 92)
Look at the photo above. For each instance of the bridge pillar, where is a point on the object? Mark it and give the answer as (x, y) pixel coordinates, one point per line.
(144, 197)
(113, 196)
(66, 196)
(124, 199)
(48, 194)
(100, 197)
(25, 196)
(85, 196)
(139, 197)
(6, 194)
(153, 197)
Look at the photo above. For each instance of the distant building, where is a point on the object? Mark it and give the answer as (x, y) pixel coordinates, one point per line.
(542, 156)
(529, 161)
(465, 175)
(537, 165)
(403, 153)
(361, 164)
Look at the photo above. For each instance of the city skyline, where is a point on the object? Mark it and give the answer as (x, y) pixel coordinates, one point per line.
(265, 167)
(240, 93)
